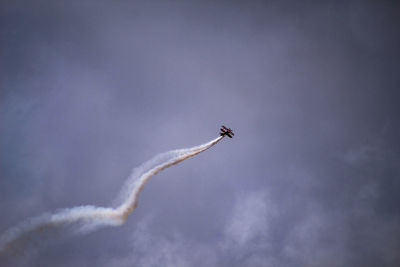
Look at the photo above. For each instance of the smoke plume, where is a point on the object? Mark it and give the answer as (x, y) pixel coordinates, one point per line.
(90, 218)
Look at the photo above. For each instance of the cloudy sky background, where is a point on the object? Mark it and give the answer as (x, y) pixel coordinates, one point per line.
(92, 89)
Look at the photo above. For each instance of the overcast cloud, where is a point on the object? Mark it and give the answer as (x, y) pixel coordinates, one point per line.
(91, 89)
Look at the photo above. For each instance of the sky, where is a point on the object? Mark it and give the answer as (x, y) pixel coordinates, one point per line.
(89, 90)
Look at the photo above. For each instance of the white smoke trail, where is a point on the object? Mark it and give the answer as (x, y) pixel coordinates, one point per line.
(92, 217)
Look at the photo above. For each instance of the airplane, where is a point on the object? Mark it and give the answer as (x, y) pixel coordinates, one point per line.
(226, 131)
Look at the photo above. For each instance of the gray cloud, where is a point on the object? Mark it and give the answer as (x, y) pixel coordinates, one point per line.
(90, 90)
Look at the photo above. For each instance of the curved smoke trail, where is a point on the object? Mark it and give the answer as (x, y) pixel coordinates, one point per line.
(92, 217)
